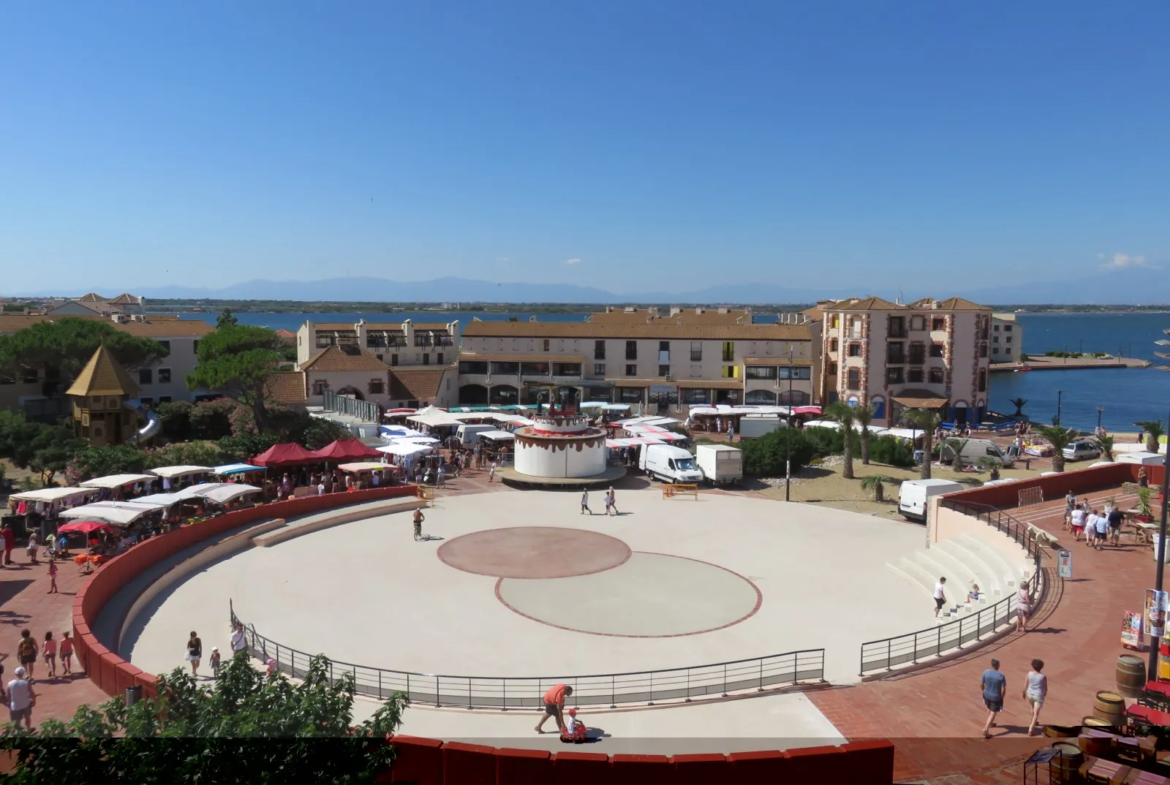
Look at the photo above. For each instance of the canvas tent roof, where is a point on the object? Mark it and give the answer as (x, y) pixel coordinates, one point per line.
(286, 454)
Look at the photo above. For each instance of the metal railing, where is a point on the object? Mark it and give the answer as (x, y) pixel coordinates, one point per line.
(889, 653)
(343, 404)
(611, 689)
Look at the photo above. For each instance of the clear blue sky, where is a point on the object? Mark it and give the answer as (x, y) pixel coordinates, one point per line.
(660, 143)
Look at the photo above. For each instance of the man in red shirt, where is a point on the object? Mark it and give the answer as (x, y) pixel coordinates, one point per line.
(554, 706)
(9, 543)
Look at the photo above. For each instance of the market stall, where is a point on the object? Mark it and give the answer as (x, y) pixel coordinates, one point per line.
(286, 454)
(235, 469)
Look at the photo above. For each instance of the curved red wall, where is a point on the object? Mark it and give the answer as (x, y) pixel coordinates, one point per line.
(433, 762)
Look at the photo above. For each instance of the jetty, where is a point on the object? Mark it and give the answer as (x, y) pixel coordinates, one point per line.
(1068, 364)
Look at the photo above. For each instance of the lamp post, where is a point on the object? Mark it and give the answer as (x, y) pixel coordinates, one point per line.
(1059, 396)
(1100, 411)
(1161, 568)
(788, 436)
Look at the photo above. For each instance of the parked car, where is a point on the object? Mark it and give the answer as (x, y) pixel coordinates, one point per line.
(1080, 451)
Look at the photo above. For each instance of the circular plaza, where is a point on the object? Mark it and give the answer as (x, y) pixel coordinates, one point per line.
(522, 585)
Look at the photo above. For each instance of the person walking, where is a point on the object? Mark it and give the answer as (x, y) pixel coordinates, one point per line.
(52, 577)
(994, 686)
(1077, 523)
(1023, 608)
(21, 699)
(940, 595)
(9, 543)
(585, 503)
(1102, 531)
(49, 652)
(194, 653)
(1035, 691)
(491, 472)
(1115, 518)
(66, 654)
(26, 652)
(1070, 501)
(31, 548)
(554, 706)
(239, 640)
(613, 501)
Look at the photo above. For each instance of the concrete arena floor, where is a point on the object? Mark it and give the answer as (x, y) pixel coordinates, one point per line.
(368, 593)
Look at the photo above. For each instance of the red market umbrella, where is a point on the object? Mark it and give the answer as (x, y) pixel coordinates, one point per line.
(85, 527)
(344, 451)
(288, 454)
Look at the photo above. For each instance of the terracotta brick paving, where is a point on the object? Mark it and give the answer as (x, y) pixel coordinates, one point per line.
(935, 716)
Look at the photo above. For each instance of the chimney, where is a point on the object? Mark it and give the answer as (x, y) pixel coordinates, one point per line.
(675, 310)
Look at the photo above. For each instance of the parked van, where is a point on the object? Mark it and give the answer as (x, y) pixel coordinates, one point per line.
(1143, 458)
(469, 434)
(719, 463)
(669, 464)
(914, 496)
(753, 426)
(974, 449)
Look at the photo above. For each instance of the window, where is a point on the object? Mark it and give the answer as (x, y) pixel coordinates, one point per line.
(1007, 328)
(983, 380)
(394, 359)
(983, 349)
(164, 399)
(995, 339)
(164, 375)
(195, 347)
(896, 353)
(696, 351)
(147, 401)
(854, 350)
(534, 369)
(599, 369)
(832, 369)
(376, 387)
(30, 376)
(691, 396)
(995, 351)
(566, 369)
(996, 328)
(426, 358)
(917, 323)
(854, 380)
(473, 366)
(917, 354)
(599, 350)
(731, 372)
(439, 358)
(629, 395)
(833, 345)
(936, 350)
(855, 327)
(664, 346)
(897, 327)
(796, 373)
(938, 323)
(664, 370)
(320, 386)
(936, 376)
(760, 372)
(166, 345)
(1007, 339)
(631, 370)
(631, 350)
(794, 398)
(545, 344)
(895, 376)
(728, 351)
(914, 376)
(145, 376)
(506, 369)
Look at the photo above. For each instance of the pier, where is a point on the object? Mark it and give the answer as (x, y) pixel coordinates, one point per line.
(1069, 364)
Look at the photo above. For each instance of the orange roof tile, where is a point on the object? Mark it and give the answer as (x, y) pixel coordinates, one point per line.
(287, 387)
(416, 384)
(334, 359)
(659, 329)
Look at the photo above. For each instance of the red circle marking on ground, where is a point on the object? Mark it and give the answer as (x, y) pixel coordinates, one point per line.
(534, 552)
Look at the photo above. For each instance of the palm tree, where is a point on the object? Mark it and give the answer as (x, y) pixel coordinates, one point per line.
(1059, 438)
(956, 446)
(1019, 404)
(863, 416)
(1105, 443)
(991, 464)
(843, 414)
(1155, 430)
(927, 421)
(875, 484)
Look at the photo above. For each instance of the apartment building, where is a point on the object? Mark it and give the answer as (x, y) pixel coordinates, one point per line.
(35, 391)
(1007, 338)
(390, 364)
(96, 305)
(662, 361)
(931, 354)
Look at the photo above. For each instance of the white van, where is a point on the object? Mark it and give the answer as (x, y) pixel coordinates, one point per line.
(914, 496)
(1142, 458)
(752, 426)
(974, 449)
(669, 464)
(469, 434)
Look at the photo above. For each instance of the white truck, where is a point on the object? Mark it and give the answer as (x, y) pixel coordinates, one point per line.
(753, 426)
(915, 495)
(1142, 458)
(469, 434)
(720, 463)
(669, 464)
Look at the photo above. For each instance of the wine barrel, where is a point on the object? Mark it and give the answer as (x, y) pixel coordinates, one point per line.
(1131, 675)
(1110, 707)
(1062, 731)
(1095, 723)
(1065, 768)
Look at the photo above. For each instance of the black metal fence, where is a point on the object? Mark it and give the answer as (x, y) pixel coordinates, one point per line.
(611, 689)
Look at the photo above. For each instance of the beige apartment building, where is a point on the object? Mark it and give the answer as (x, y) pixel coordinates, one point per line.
(931, 354)
(1007, 338)
(664, 361)
(35, 391)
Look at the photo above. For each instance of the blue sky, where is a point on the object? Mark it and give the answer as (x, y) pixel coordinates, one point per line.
(660, 144)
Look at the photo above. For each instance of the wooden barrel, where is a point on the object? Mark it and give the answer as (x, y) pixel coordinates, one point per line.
(1131, 675)
(1096, 723)
(1062, 731)
(1110, 707)
(1065, 768)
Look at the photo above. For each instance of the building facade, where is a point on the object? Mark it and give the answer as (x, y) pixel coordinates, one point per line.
(660, 361)
(1007, 338)
(931, 354)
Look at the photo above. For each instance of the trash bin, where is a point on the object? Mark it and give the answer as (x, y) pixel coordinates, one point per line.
(133, 694)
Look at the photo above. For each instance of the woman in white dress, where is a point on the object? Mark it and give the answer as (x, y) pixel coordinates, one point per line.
(1023, 608)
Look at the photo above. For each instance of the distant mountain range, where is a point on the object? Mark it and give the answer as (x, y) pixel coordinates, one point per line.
(1120, 287)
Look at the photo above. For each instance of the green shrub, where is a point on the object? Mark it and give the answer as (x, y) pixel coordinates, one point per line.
(825, 441)
(104, 461)
(891, 451)
(766, 456)
(185, 454)
(175, 418)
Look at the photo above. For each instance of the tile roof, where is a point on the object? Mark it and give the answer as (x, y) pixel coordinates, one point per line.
(91, 298)
(287, 387)
(416, 384)
(685, 316)
(103, 375)
(959, 304)
(126, 299)
(534, 357)
(334, 359)
(656, 330)
(165, 327)
(863, 304)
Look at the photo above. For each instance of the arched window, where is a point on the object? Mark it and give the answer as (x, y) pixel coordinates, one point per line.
(473, 394)
(795, 398)
(504, 394)
(765, 397)
(879, 407)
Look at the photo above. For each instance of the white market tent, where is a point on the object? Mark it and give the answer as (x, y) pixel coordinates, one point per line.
(506, 435)
(51, 494)
(493, 416)
(161, 499)
(237, 468)
(836, 426)
(403, 448)
(364, 466)
(414, 440)
(117, 480)
(434, 419)
(121, 513)
(391, 432)
(517, 420)
(171, 472)
(223, 493)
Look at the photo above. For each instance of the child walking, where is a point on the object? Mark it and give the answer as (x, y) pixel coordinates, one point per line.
(49, 652)
(52, 577)
(66, 653)
(215, 662)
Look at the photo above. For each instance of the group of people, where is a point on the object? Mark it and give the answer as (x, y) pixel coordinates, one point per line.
(994, 687)
(572, 730)
(195, 650)
(19, 693)
(1098, 527)
(1023, 601)
(610, 502)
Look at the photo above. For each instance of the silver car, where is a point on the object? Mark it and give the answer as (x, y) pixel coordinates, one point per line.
(1080, 451)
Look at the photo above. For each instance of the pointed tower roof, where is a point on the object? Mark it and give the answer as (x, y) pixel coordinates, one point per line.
(102, 375)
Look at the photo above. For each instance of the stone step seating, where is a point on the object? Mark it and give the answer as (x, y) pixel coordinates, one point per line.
(1011, 558)
(337, 517)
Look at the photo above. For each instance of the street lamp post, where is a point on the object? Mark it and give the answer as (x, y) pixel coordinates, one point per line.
(1059, 396)
(1161, 569)
(1100, 411)
(788, 436)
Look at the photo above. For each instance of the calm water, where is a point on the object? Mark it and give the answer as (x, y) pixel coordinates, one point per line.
(1128, 395)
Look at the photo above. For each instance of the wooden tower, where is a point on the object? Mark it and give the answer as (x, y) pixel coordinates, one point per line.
(99, 397)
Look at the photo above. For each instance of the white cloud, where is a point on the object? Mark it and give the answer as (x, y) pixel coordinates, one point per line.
(571, 262)
(1121, 261)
